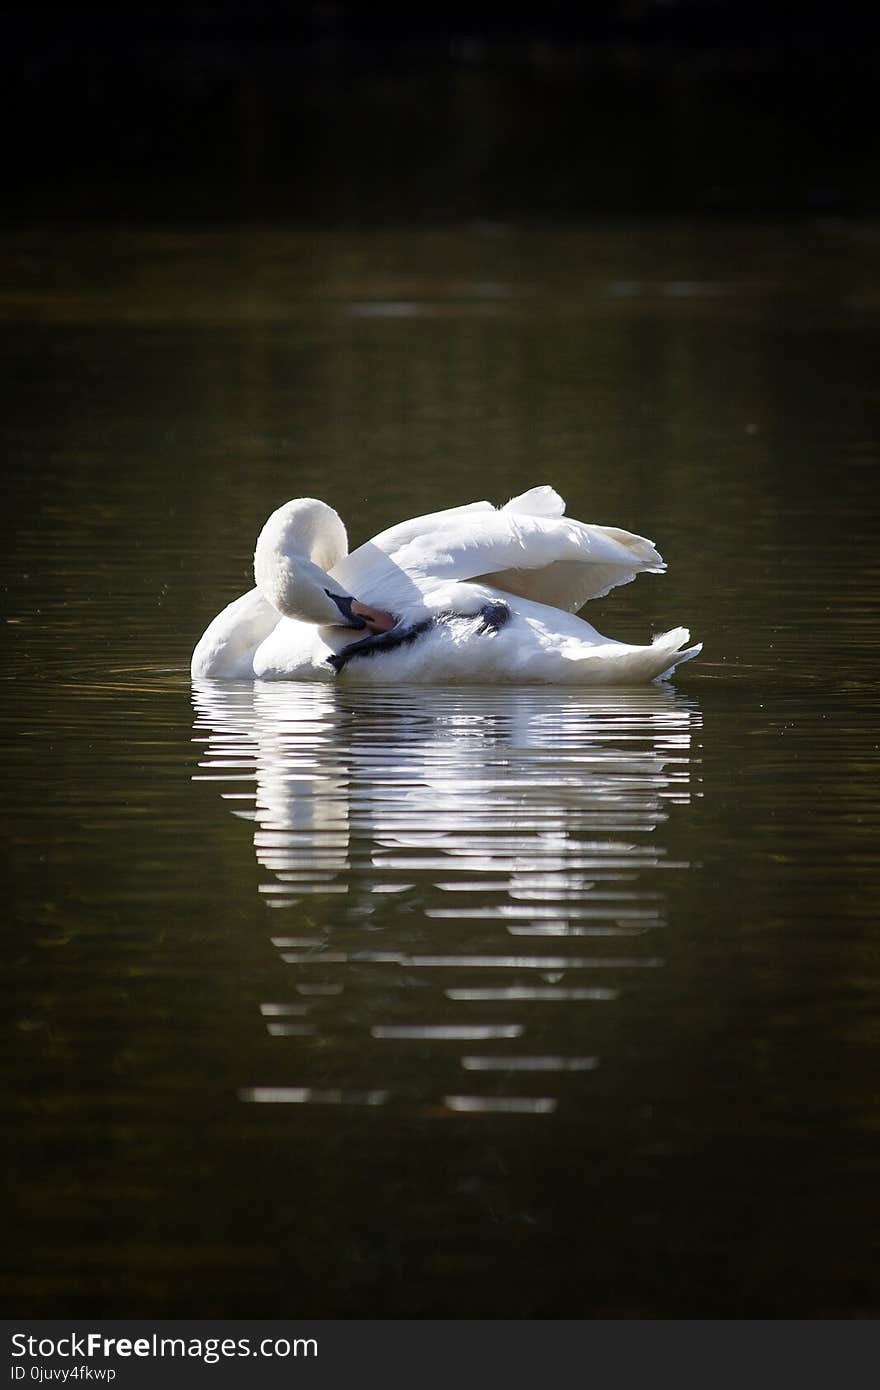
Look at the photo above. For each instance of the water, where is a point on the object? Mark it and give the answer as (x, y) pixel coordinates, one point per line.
(501, 1002)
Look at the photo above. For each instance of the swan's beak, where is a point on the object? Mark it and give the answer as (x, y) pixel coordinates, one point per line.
(376, 619)
(346, 607)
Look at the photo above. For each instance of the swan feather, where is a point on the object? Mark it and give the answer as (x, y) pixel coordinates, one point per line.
(437, 574)
(527, 548)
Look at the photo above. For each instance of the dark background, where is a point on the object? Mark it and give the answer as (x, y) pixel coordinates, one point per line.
(397, 112)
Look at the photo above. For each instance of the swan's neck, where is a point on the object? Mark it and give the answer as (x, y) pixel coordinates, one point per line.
(296, 548)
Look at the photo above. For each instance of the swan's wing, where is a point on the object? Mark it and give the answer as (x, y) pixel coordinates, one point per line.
(396, 537)
(373, 572)
(565, 563)
(538, 501)
(527, 547)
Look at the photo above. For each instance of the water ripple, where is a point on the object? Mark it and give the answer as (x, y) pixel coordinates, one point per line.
(544, 808)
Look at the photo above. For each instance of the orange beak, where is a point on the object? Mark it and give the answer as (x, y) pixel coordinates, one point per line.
(376, 619)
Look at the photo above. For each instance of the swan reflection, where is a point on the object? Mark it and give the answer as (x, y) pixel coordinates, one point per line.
(457, 867)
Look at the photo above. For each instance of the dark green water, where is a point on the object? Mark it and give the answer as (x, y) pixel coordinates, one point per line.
(494, 1002)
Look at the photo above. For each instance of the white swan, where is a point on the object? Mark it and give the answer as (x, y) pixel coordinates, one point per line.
(473, 594)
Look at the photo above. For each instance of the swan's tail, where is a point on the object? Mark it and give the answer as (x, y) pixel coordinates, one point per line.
(617, 663)
(669, 644)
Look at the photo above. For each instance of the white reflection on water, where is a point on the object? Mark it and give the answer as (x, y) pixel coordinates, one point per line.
(418, 840)
(500, 1105)
(308, 1095)
(529, 1063)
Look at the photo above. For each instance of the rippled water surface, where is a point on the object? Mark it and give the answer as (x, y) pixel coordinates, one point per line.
(498, 1002)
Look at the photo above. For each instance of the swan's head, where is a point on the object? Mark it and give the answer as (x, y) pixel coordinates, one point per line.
(296, 548)
(304, 527)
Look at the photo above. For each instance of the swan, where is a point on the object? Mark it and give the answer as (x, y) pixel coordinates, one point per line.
(471, 594)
